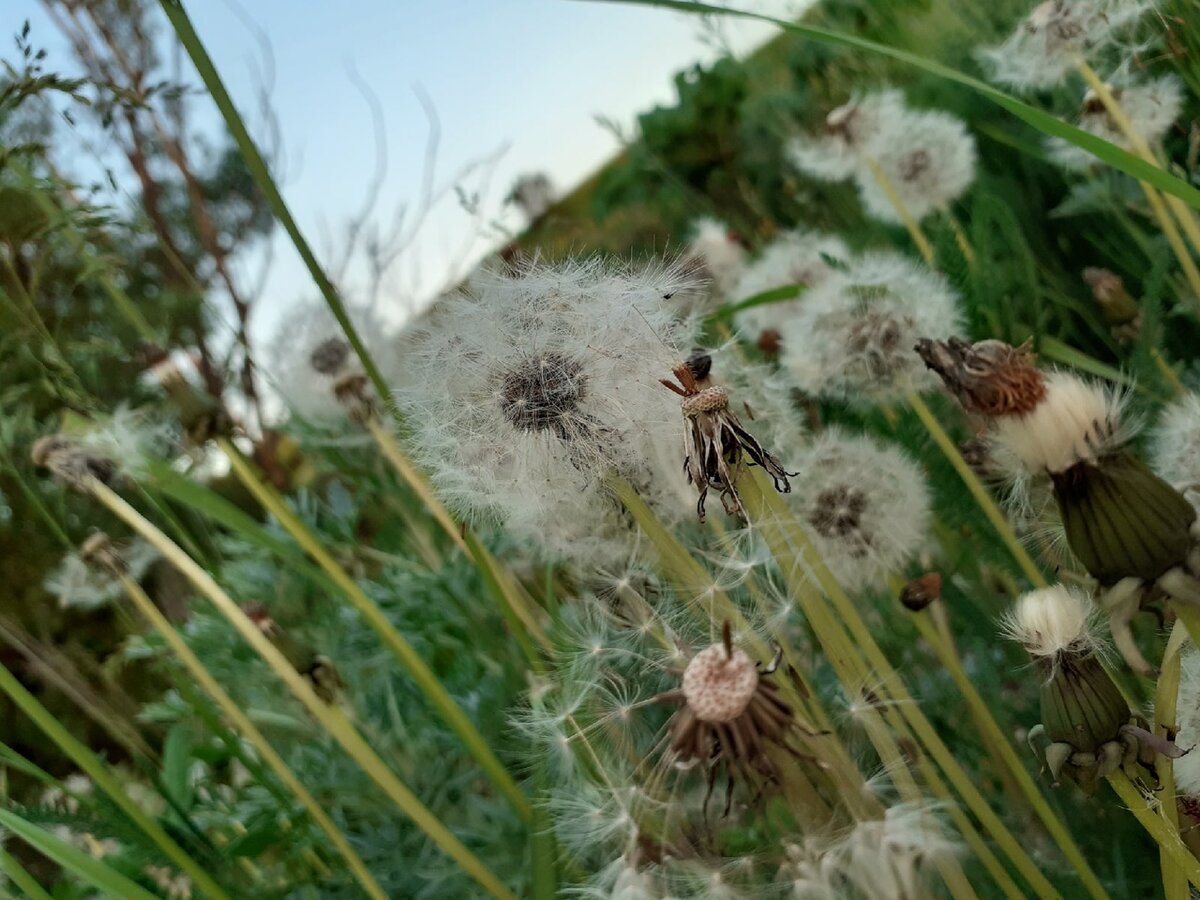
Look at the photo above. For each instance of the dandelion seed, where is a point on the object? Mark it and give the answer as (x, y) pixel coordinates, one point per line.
(794, 258)
(851, 339)
(1046, 46)
(1152, 107)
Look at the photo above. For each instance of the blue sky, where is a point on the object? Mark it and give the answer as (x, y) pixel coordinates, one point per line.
(526, 75)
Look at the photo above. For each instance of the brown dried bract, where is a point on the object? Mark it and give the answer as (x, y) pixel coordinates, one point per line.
(72, 464)
(715, 441)
(990, 377)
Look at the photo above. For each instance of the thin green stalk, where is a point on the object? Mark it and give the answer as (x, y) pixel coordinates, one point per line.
(262, 176)
(914, 227)
(331, 716)
(437, 695)
(89, 763)
(22, 879)
(978, 491)
(800, 556)
(249, 730)
(998, 742)
(1156, 826)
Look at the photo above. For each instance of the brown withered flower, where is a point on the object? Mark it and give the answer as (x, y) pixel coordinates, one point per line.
(731, 715)
(715, 441)
(989, 378)
(72, 464)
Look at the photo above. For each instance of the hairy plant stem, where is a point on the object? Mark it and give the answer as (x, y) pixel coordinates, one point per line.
(242, 723)
(437, 695)
(103, 778)
(332, 717)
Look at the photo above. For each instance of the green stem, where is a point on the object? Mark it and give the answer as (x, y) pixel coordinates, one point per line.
(1156, 826)
(22, 879)
(89, 763)
(332, 717)
(36, 502)
(427, 682)
(249, 730)
(978, 491)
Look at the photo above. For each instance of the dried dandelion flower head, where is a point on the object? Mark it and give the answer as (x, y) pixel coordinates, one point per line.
(719, 255)
(715, 441)
(928, 158)
(866, 505)
(1175, 446)
(1047, 44)
(1152, 107)
(1120, 519)
(851, 338)
(525, 391)
(88, 579)
(804, 258)
(731, 714)
(892, 858)
(851, 134)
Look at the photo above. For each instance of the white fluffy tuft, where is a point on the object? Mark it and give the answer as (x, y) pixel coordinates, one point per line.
(1152, 107)
(1077, 421)
(853, 132)
(1043, 48)
(1175, 450)
(1187, 715)
(1054, 621)
(852, 336)
(721, 254)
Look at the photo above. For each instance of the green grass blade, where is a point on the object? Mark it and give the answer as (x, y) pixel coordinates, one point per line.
(90, 764)
(95, 873)
(12, 870)
(775, 295)
(1031, 115)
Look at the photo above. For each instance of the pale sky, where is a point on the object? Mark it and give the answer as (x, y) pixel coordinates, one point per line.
(526, 77)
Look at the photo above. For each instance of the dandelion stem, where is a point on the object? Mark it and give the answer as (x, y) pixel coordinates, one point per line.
(913, 226)
(418, 670)
(998, 743)
(960, 236)
(978, 491)
(100, 774)
(795, 554)
(1166, 698)
(1157, 827)
(335, 721)
(249, 730)
(1137, 141)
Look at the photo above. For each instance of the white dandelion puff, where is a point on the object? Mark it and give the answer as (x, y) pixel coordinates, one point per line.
(78, 585)
(866, 505)
(928, 158)
(1054, 622)
(852, 338)
(1187, 715)
(804, 258)
(1046, 46)
(526, 390)
(851, 134)
(719, 254)
(1152, 107)
(1175, 446)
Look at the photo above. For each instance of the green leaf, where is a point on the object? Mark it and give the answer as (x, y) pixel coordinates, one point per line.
(775, 295)
(1031, 115)
(77, 862)
(176, 763)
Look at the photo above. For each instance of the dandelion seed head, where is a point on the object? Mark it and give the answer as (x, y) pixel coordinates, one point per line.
(794, 258)
(78, 585)
(851, 133)
(866, 504)
(718, 684)
(525, 390)
(720, 254)
(1044, 47)
(929, 159)
(1187, 715)
(1053, 622)
(852, 337)
(330, 355)
(1076, 421)
(1175, 446)
(1152, 107)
